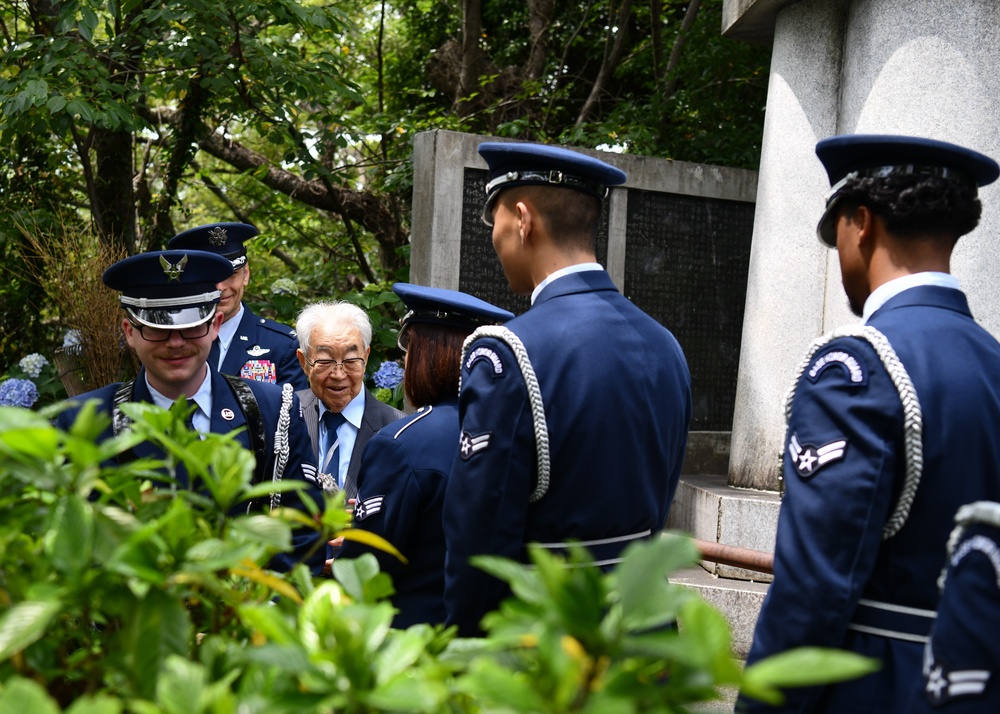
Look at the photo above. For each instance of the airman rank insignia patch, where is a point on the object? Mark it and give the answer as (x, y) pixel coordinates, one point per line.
(809, 459)
(368, 507)
(850, 363)
(470, 445)
(484, 353)
(257, 351)
(260, 370)
(942, 685)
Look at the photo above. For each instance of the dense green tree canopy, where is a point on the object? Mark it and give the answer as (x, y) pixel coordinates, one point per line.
(140, 118)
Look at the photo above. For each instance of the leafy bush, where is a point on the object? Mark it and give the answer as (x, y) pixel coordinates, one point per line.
(120, 597)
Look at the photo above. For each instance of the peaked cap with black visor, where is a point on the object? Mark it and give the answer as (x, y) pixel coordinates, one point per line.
(450, 308)
(519, 164)
(169, 289)
(225, 239)
(853, 156)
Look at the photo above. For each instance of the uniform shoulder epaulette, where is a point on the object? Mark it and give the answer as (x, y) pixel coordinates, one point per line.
(275, 326)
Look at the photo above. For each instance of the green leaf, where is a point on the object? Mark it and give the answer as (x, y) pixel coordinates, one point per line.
(99, 704)
(158, 628)
(265, 530)
(490, 682)
(803, 667)
(24, 624)
(180, 686)
(70, 539)
(647, 597)
(24, 695)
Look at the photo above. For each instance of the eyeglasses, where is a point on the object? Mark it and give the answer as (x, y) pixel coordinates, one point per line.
(162, 334)
(351, 365)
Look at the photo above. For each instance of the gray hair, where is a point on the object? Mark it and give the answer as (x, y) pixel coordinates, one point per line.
(332, 311)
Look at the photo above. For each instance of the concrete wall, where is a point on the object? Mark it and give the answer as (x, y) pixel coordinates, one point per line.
(921, 67)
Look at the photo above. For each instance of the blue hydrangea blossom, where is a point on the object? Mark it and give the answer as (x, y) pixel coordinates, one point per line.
(18, 393)
(389, 375)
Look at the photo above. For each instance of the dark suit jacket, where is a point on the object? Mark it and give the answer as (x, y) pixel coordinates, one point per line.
(377, 414)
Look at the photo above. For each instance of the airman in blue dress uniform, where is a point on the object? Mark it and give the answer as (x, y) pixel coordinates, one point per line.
(575, 417)
(249, 346)
(405, 466)
(962, 660)
(892, 425)
(171, 317)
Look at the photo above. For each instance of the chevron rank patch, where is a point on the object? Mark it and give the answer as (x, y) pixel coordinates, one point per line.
(484, 353)
(809, 459)
(851, 364)
(941, 685)
(469, 445)
(368, 507)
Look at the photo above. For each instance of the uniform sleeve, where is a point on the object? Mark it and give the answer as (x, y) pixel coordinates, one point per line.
(307, 545)
(839, 467)
(289, 370)
(389, 502)
(486, 501)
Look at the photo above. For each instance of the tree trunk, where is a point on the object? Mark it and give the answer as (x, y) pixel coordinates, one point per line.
(113, 201)
(538, 33)
(471, 61)
(611, 60)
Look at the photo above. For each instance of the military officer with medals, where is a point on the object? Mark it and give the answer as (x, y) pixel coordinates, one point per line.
(248, 346)
(891, 425)
(575, 415)
(405, 466)
(171, 318)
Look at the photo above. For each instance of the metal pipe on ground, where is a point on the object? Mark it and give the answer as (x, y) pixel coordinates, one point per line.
(738, 557)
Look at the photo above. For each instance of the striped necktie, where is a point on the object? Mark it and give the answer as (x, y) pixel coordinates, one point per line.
(330, 461)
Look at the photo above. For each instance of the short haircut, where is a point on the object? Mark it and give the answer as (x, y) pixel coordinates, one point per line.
(332, 312)
(915, 204)
(433, 362)
(570, 217)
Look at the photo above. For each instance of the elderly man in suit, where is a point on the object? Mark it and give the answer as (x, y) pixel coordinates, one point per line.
(341, 414)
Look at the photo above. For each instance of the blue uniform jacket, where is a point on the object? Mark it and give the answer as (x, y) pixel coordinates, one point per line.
(401, 485)
(962, 661)
(829, 551)
(617, 398)
(300, 464)
(263, 347)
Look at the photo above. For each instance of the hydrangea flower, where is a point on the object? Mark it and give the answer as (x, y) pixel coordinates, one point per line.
(33, 364)
(389, 375)
(72, 339)
(18, 393)
(384, 395)
(284, 286)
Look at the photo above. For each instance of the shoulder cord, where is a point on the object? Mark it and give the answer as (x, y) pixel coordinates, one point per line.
(534, 399)
(281, 442)
(913, 423)
(119, 420)
(985, 512)
(255, 422)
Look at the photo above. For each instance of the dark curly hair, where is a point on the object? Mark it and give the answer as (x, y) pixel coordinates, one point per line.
(914, 205)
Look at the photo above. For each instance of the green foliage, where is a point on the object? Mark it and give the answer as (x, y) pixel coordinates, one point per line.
(120, 597)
